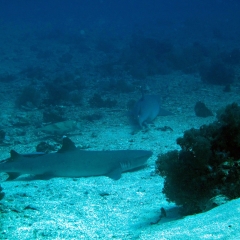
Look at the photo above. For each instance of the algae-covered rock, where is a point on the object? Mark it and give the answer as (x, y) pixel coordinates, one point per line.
(207, 165)
(201, 110)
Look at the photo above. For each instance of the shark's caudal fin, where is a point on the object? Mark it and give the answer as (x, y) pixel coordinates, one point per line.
(67, 145)
(14, 156)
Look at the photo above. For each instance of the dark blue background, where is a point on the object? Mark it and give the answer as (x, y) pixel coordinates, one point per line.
(119, 15)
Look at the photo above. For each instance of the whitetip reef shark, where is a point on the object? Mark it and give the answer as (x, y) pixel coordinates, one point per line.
(72, 162)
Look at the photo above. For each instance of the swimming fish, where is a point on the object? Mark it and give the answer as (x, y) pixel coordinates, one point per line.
(147, 109)
(60, 128)
(72, 162)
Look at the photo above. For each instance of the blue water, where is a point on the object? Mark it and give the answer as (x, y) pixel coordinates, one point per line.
(90, 61)
(123, 24)
(121, 17)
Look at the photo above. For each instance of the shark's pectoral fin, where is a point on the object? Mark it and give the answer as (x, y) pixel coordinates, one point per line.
(115, 174)
(12, 175)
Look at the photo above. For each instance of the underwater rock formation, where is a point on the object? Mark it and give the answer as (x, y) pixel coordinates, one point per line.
(208, 164)
(217, 73)
(201, 110)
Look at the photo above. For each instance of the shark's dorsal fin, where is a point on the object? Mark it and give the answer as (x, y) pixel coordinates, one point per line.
(14, 155)
(67, 145)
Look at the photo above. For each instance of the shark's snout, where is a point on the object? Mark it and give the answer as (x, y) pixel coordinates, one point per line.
(143, 155)
(148, 154)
